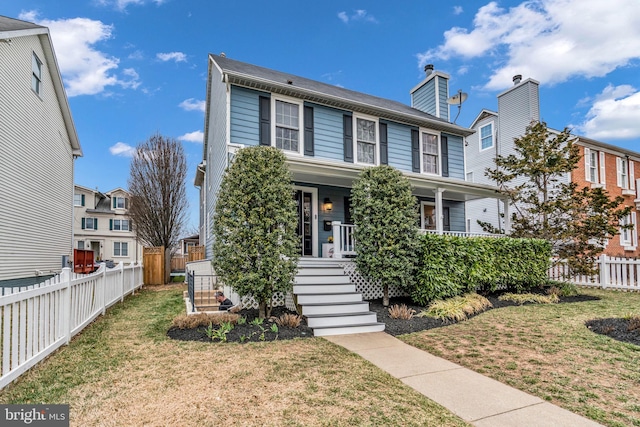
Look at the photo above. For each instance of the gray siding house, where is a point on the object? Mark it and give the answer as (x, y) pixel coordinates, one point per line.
(329, 134)
(38, 145)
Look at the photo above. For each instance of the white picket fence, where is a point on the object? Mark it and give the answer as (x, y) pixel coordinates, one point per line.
(615, 273)
(36, 321)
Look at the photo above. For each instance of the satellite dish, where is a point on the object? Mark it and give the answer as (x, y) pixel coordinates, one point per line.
(457, 99)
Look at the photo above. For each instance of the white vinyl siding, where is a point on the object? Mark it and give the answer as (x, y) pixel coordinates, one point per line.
(34, 138)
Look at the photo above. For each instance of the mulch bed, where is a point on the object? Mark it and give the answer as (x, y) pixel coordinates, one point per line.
(252, 333)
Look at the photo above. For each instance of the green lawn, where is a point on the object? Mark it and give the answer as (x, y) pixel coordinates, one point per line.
(122, 370)
(547, 350)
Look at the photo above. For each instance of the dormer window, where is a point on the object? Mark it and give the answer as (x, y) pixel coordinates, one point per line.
(366, 141)
(120, 203)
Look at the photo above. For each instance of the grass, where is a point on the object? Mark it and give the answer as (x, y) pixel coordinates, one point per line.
(547, 351)
(122, 370)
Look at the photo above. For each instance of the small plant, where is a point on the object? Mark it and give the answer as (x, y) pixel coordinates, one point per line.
(242, 321)
(457, 308)
(531, 298)
(257, 321)
(634, 324)
(274, 328)
(209, 331)
(243, 338)
(221, 332)
(289, 320)
(562, 289)
(401, 312)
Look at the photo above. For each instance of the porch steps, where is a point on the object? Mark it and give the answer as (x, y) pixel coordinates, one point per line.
(329, 300)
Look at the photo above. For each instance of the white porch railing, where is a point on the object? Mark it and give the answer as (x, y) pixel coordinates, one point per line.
(344, 242)
(37, 321)
(614, 273)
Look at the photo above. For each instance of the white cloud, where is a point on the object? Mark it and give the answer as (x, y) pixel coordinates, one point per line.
(172, 56)
(123, 150)
(192, 104)
(357, 15)
(549, 40)
(614, 114)
(196, 136)
(122, 5)
(457, 10)
(85, 69)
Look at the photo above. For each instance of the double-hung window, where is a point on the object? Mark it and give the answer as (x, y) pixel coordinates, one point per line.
(486, 136)
(121, 224)
(430, 159)
(287, 123)
(366, 141)
(89, 223)
(78, 199)
(36, 74)
(593, 167)
(120, 203)
(120, 249)
(626, 234)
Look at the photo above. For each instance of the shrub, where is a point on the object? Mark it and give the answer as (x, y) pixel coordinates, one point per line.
(450, 266)
(289, 320)
(634, 324)
(531, 298)
(458, 308)
(562, 289)
(401, 312)
(185, 321)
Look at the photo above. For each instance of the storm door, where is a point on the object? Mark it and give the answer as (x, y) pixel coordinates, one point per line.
(306, 200)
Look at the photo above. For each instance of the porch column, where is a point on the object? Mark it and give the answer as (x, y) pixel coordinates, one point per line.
(507, 217)
(439, 215)
(337, 239)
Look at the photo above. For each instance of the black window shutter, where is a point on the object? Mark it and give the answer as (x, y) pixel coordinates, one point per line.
(347, 210)
(265, 120)
(445, 155)
(384, 152)
(115, 205)
(308, 131)
(95, 223)
(82, 202)
(126, 203)
(348, 137)
(446, 221)
(83, 223)
(110, 224)
(415, 150)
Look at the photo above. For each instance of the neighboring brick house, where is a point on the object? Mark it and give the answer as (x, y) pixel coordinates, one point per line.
(101, 224)
(602, 164)
(612, 168)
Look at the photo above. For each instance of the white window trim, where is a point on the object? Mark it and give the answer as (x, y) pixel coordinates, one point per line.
(439, 146)
(435, 215)
(114, 250)
(355, 138)
(38, 77)
(232, 149)
(493, 136)
(300, 105)
(623, 242)
(74, 199)
(93, 219)
(121, 230)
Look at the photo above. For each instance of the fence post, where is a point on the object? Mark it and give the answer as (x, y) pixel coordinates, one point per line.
(121, 268)
(65, 277)
(604, 271)
(337, 239)
(103, 279)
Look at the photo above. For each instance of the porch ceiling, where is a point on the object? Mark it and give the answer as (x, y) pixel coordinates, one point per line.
(338, 174)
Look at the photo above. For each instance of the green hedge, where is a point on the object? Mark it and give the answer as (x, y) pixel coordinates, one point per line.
(449, 266)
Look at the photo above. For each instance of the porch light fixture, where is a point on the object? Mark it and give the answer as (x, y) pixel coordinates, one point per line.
(328, 204)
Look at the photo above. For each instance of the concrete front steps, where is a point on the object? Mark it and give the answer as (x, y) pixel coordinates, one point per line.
(329, 300)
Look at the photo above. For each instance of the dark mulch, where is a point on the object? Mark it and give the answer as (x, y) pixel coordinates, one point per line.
(254, 333)
(616, 328)
(248, 332)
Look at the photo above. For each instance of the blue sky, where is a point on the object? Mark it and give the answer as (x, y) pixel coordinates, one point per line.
(133, 68)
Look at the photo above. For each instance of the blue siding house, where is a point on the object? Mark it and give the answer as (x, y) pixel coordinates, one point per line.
(329, 134)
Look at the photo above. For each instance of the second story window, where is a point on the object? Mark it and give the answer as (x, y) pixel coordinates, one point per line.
(366, 141)
(78, 200)
(120, 203)
(625, 174)
(430, 153)
(486, 136)
(120, 225)
(287, 126)
(593, 166)
(36, 74)
(89, 223)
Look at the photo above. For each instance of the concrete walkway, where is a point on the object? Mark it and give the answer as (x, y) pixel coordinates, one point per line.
(477, 399)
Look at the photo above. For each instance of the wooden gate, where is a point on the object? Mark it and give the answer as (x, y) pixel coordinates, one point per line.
(153, 259)
(196, 253)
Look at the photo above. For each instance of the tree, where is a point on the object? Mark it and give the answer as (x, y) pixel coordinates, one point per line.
(577, 222)
(384, 213)
(157, 186)
(255, 249)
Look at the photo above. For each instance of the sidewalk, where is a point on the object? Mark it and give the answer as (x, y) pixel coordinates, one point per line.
(479, 400)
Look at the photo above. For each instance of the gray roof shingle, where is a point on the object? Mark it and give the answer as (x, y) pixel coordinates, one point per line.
(10, 24)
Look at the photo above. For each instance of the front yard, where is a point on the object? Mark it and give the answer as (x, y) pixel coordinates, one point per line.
(123, 370)
(547, 350)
